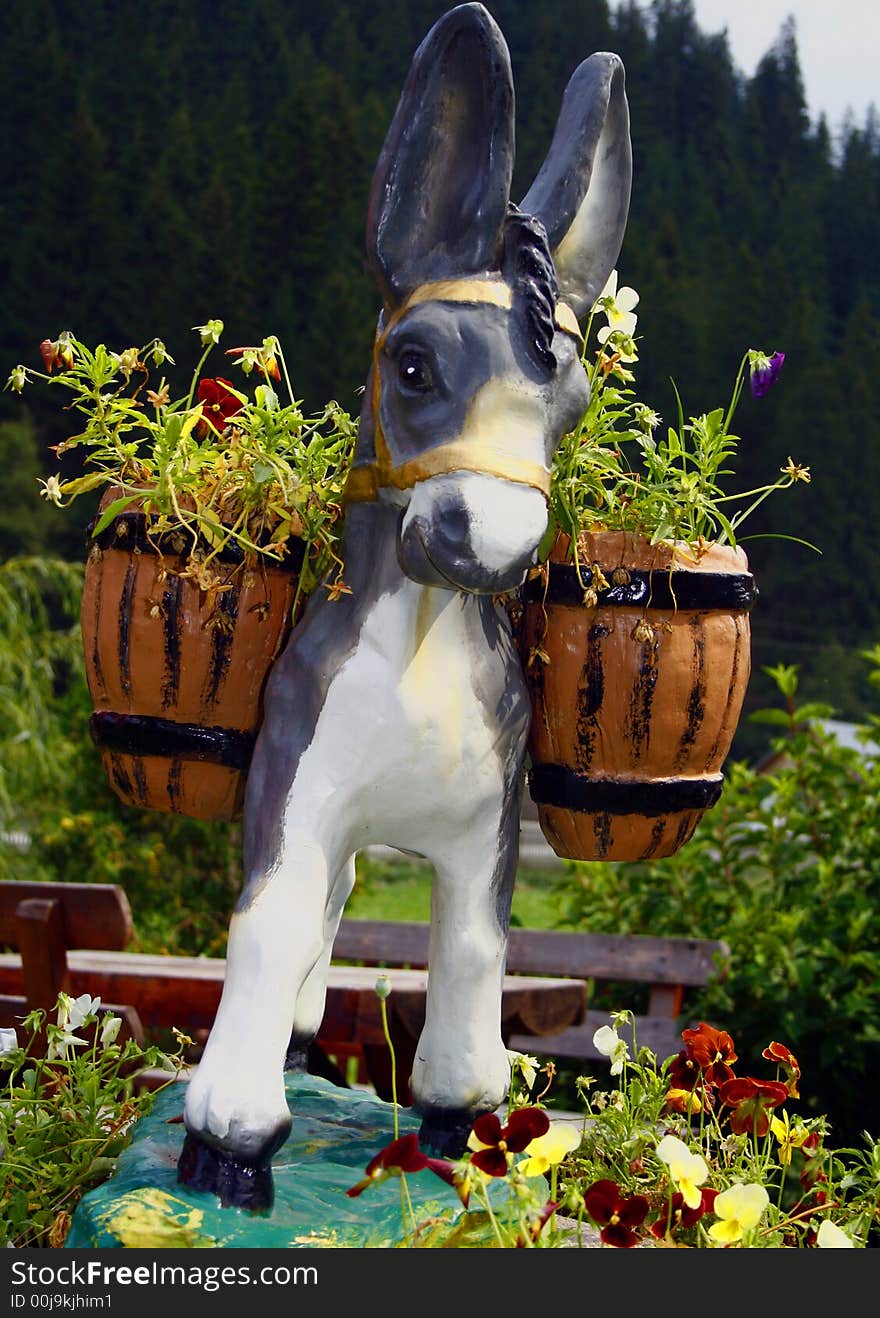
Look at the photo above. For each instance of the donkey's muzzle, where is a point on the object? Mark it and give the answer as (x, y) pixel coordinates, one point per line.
(471, 532)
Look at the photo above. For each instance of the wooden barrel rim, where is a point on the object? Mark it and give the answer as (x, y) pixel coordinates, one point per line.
(129, 531)
(732, 592)
(556, 785)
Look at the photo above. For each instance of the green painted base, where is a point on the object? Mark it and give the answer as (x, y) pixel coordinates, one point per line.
(335, 1134)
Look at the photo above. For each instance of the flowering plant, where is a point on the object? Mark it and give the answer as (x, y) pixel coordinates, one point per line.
(500, 1180)
(685, 1154)
(688, 1153)
(70, 1099)
(214, 467)
(614, 472)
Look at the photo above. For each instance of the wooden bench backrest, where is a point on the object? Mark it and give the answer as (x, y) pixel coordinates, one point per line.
(636, 957)
(666, 966)
(95, 916)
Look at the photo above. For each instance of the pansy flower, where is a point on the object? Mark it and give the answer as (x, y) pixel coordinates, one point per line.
(491, 1143)
(619, 307)
(763, 371)
(219, 401)
(684, 1072)
(263, 359)
(57, 352)
(608, 1042)
(830, 1236)
(549, 1149)
(679, 1217)
(752, 1101)
(689, 1101)
(401, 1155)
(404, 1155)
(713, 1052)
(778, 1053)
(619, 1218)
(739, 1211)
(788, 1137)
(687, 1169)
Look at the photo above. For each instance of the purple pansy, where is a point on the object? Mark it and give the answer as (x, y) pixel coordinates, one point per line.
(765, 372)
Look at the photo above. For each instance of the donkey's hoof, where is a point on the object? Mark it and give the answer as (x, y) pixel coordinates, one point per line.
(444, 1131)
(236, 1184)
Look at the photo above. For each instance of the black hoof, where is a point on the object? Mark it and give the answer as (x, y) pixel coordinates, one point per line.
(297, 1058)
(236, 1184)
(308, 1058)
(444, 1131)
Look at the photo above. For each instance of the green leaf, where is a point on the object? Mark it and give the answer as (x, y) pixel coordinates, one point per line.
(777, 717)
(814, 710)
(112, 510)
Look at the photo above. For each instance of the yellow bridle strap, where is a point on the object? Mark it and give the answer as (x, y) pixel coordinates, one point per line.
(363, 483)
(495, 292)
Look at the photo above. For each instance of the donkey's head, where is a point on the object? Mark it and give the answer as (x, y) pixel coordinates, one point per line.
(476, 369)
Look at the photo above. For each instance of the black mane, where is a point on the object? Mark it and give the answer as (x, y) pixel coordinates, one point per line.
(527, 265)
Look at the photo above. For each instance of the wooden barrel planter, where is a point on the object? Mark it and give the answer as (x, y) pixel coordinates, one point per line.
(636, 692)
(176, 678)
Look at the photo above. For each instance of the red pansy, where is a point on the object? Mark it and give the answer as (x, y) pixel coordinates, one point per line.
(752, 1102)
(401, 1155)
(777, 1052)
(525, 1125)
(219, 401)
(678, 1217)
(618, 1217)
(713, 1052)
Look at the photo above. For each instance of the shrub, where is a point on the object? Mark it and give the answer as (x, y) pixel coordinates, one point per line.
(786, 869)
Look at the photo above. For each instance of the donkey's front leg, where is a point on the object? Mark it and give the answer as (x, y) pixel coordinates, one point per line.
(461, 1066)
(236, 1111)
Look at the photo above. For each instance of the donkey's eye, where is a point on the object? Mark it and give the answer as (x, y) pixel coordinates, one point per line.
(414, 372)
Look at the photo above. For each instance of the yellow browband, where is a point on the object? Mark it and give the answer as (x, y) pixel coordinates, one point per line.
(363, 483)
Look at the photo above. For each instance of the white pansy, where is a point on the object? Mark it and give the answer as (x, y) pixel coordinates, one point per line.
(110, 1028)
(528, 1066)
(830, 1236)
(609, 1043)
(618, 306)
(79, 1009)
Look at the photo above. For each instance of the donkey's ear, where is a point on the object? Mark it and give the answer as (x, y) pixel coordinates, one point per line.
(582, 190)
(441, 187)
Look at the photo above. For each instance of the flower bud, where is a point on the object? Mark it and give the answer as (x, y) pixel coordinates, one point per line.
(383, 986)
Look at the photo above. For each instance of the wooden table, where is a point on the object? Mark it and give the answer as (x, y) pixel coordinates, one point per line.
(185, 992)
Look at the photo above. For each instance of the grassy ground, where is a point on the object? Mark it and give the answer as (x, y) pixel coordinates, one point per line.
(401, 890)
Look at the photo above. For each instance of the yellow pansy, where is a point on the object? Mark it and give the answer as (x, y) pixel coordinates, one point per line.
(789, 1137)
(549, 1149)
(740, 1209)
(688, 1170)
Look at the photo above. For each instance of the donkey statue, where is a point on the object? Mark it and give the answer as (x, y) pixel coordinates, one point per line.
(398, 713)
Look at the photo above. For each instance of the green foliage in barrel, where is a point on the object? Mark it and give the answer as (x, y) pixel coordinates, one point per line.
(621, 469)
(212, 469)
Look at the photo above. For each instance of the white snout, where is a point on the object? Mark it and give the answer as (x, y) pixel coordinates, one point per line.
(501, 522)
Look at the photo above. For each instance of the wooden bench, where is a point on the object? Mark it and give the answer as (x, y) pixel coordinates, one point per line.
(43, 922)
(667, 966)
(74, 936)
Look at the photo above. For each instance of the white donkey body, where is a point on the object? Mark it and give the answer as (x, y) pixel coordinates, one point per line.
(398, 713)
